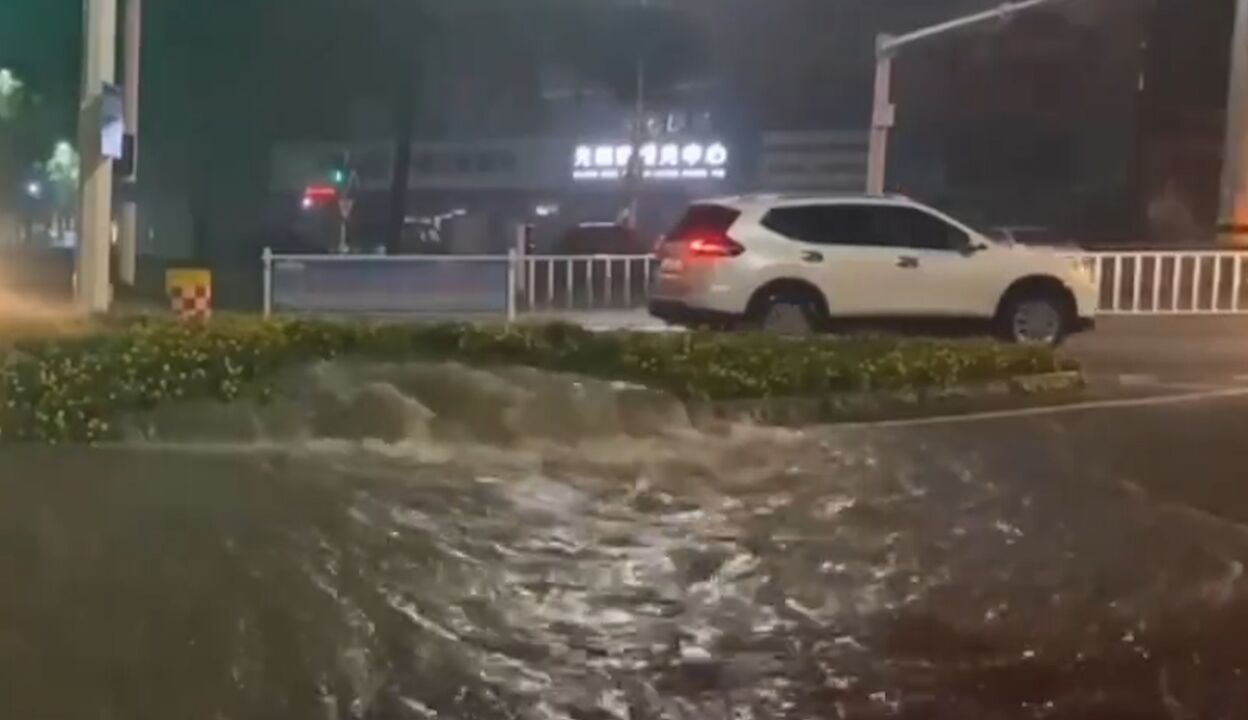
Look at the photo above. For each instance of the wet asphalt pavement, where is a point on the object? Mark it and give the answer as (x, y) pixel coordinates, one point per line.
(392, 546)
(1210, 349)
(1144, 350)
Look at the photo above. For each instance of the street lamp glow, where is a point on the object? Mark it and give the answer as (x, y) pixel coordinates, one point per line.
(34, 189)
(10, 94)
(9, 84)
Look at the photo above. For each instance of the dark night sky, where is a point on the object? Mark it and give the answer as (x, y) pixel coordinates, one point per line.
(224, 57)
(223, 79)
(40, 40)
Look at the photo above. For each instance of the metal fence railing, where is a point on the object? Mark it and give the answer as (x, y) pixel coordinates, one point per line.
(596, 282)
(1131, 283)
(1170, 283)
(497, 285)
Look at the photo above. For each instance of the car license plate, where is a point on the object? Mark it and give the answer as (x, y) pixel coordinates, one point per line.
(672, 265)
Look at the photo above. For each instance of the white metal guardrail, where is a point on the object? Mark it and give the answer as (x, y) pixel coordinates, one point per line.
(1171, 282)
(590, 282)
(454, 285)
(1132, 283)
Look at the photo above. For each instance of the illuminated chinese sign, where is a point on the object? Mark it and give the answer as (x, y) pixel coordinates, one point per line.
(660, 161)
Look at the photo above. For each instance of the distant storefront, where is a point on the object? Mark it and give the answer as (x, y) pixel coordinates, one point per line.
(554, 183)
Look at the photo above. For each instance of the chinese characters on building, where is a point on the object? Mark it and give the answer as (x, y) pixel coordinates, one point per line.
(660, 161)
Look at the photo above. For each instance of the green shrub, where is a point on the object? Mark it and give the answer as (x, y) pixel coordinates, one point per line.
(74, 389)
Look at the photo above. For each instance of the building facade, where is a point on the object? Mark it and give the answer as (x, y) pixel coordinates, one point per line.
(551, 182)
(1082, 118)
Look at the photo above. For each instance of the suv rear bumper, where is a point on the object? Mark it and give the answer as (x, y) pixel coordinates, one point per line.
(679, 313)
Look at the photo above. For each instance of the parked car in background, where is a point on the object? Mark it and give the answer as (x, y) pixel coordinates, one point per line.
(1033, 236)
(798, 264)
(601, 239)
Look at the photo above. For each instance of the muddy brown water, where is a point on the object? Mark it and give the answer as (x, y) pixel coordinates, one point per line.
(433, 541)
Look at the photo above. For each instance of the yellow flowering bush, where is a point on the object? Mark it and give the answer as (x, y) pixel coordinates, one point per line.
(74, 389)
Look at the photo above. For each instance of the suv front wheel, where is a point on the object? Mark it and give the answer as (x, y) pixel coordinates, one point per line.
(1034, 318)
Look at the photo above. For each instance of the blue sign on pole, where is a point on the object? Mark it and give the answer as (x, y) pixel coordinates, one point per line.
(387, 286)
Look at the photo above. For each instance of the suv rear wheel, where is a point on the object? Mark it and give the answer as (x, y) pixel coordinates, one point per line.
(783, 317)
(793, 311)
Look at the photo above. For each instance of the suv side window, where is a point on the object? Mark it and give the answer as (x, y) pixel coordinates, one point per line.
(796, 223)
(906, 227)
(824, 224)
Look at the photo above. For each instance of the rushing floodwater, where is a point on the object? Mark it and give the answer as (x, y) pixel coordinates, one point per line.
(438, 542)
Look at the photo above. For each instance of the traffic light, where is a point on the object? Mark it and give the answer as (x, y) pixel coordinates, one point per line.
(338, 176)
(315, 196)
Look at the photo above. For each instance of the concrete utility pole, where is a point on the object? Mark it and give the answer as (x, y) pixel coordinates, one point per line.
(635, 172)
(636, 169)
(1233, 218)
(884, 113)
(93, 292)
(883, 116)
(128, 242)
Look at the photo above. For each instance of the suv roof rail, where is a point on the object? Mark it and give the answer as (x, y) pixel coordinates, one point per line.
(766, 197)
(840, 195)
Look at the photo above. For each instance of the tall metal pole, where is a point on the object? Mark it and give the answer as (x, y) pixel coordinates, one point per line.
(127, 244)
(1233, 218)
(636, 168)
(883, 114)
(93, 292)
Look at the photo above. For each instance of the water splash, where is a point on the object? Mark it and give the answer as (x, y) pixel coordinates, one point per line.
(417, 541)
(23, 315)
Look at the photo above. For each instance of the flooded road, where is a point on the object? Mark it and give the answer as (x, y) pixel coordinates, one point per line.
(426, 542)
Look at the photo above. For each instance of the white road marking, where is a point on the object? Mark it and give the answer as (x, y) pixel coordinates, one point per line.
(633, 328)
(1092, 405)
(1136, 381)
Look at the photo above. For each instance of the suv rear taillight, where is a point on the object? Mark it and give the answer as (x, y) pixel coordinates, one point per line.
(703, 232)
(714, 246)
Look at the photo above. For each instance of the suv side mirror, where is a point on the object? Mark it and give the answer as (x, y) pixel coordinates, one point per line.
(974, 247)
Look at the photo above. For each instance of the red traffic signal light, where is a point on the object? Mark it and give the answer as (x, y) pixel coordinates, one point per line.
(318, 196)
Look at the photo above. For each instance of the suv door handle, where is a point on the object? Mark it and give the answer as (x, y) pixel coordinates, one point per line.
(907, 261)
(811, 256)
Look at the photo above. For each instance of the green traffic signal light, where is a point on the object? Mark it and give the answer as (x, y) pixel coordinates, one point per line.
(338, 177)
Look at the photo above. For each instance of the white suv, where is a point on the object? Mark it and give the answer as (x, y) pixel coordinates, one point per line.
(793, 264)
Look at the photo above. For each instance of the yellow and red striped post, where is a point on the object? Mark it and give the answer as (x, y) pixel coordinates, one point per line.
(190, 292)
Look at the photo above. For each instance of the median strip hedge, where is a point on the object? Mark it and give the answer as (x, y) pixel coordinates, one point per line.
(73, 389)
